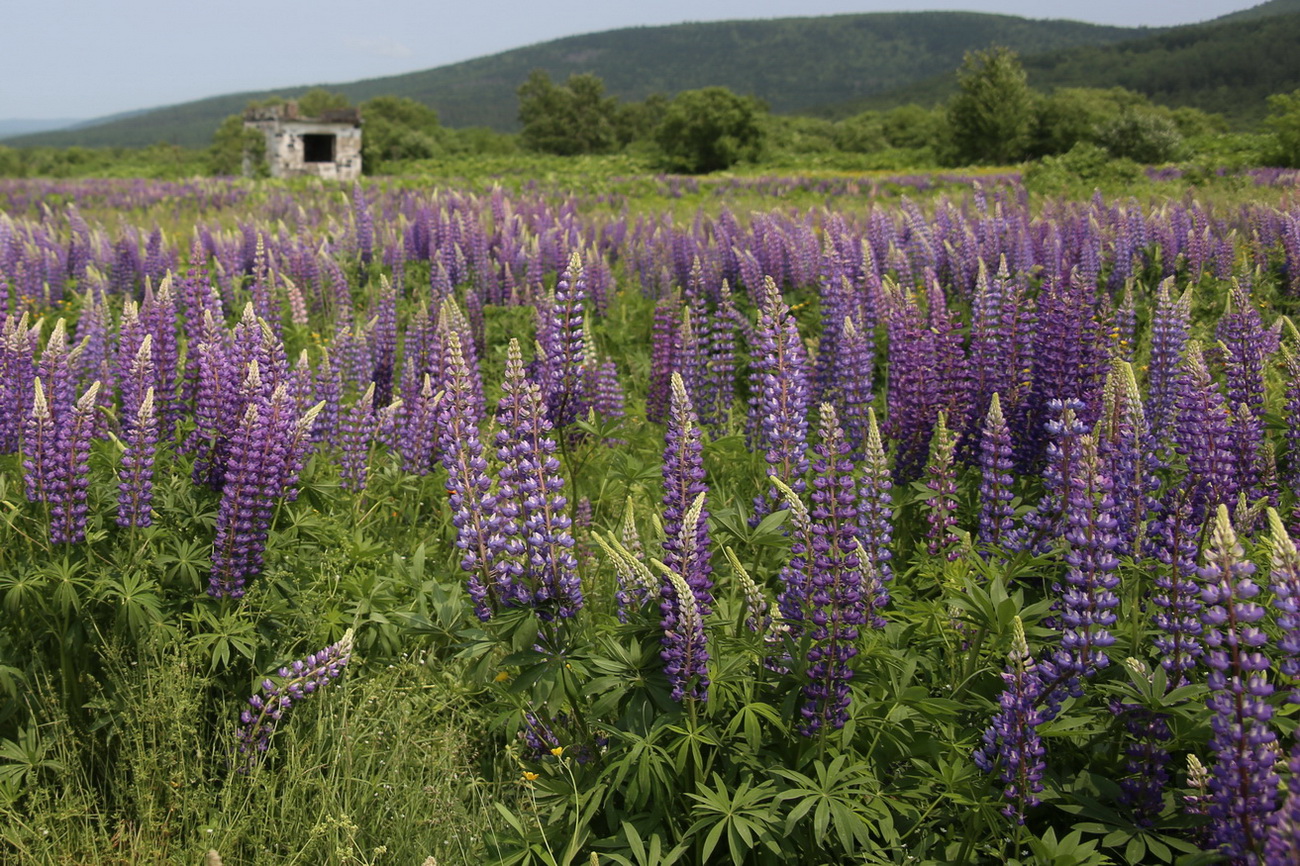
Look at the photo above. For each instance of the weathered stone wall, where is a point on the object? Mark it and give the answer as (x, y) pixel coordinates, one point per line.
(284, 148)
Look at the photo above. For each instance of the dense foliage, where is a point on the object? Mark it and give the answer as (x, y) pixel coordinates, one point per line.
(634, 519)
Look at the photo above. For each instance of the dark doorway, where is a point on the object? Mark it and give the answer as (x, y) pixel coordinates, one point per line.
(317, 148)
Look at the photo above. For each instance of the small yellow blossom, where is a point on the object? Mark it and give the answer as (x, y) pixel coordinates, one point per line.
(502, 677)
(530, 777)
(557, 751)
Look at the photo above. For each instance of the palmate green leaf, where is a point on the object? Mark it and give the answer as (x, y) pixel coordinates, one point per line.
(838, 795)
(744, 815)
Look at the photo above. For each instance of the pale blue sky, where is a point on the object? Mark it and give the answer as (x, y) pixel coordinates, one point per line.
(89, 58)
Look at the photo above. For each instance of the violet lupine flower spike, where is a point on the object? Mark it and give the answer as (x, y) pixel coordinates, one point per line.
(1243, 780)
(1088, 598)
(685, 648)
(876, 520)
(996, 463)
(941, 502)
(294, 683)
(354, 441)
(135, 490)
(68, 512)
(835, 599)
(683, 471)
(1286, 600)
(532, 506)
(473, 506)
(1011, 742)
(779, 409)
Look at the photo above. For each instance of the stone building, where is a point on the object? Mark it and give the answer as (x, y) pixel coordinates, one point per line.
(327, 147)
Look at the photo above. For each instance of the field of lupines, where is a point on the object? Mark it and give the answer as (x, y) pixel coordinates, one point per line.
(817, 524)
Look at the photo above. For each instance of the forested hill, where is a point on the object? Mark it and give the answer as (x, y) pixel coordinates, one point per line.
(1228, 66)
(791, 63)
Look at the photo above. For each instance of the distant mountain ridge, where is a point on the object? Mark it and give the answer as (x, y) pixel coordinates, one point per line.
(1228, 66)
(792, 63)
(830, 65)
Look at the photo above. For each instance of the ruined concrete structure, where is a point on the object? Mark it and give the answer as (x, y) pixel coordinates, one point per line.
(328, 146)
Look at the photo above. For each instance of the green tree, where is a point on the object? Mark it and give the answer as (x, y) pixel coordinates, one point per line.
(236, 149)
(573, 118)
(992, 115)
(318, 100)
(398, 128)
(711, 129)
(1284, 122)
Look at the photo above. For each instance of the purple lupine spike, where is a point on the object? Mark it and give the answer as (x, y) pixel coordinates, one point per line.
(941, 502)
(158, 319)
(876, 520)
(1042, 523)
(57, 371)
(683, 473)
(1169, 327)
(72, 437)
(1243, 780)
(721, 376)
(17, 377)
(1292, 435)
(473, 505)
(135, 487)
(996, 463)
(1125, 447)
(779, 410)
(1088, 598)
(1282, 847)
(418, 440)
(835, 600)
(355, 436)
(1011, 743)
(911, 391)
(363, 226)
(662, 359)
(39, 450)
(1172, 539)
(1202, 431)
(854, 377)
(566, 349)
(532, 506)
(293, 684)
(266, 454)
(1286, 600)
(383, 345)
(328, 386)
(685, 646)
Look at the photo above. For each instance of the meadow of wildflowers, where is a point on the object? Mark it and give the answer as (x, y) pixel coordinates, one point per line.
(777, 520)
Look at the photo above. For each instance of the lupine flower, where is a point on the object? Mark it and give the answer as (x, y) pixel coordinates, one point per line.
(683, 471)
(835, 601)
(779, 409)
(1286, 600)
(876, 521)
(685, 648)
(354, 441)
(1282, 847)
(1088, 598)
(293, 684)
(135, 488)
(663, 340)
(473, 505)
(996, 464)
(1202, 431)
(562, 381)
(1011, 743)
(538, 567)
(941, 482)
(1243, 781)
